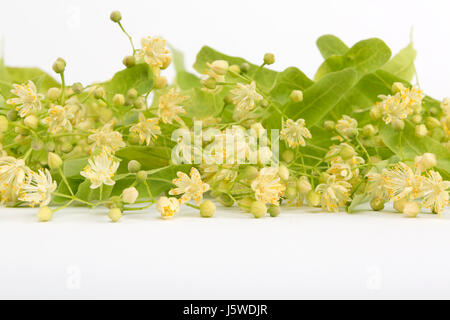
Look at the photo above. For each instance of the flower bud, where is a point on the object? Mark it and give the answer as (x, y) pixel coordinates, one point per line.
(54, 161)
(296, 96)
(31, 121)
(313, 199)
(274, 211)
(421, 131)
(377, 204)
(291, 193)
(219, 67)
(45, 214)
(264, 103)
(250, 172)
(140, 103)
(329, 125)
(207, 209)
(160, 82)
(132, 93)
(235, 69)
(3, 124)
(258, 209)
(417, 118)
(115, 214)
(141, 176)
(228, 99)
(53, 94)
(303, 185)
(66, 147)
(375, 113)
(245, 67)
(269, 58)
(287, 156)
(433, 111)
(425, 161)
(397, 87)
(399, 205)
(225, 199)
(347, 152)
(12, 115)
(77, 87)
(118, 100)
(369, 130)
(59, 65)
(115, 16)
(432, 122)
(129, 61)
(398, 124)
(323, 177)
(283, 172)
(210, 83)
(99, 93)
(134, 166)
(130, 195)
(411, 209)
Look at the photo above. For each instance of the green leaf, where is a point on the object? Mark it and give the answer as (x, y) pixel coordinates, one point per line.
(402, 64)
(288, 80)
(139, 77)
(73, 167)
(202, 104)
(184, 79)
(149, 157)
(42, 80)
(364, 57)
(406, 145)
(356, 201)
(264, 77)
(330, 45)
(320, 98)
(365, 94)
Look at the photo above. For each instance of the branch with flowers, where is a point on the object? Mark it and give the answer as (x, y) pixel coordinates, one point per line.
(359, 132)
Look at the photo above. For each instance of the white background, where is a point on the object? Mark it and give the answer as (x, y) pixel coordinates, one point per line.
(299, 255)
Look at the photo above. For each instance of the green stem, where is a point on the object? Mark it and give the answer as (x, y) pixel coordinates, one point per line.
(192, 206)
(128, 36)
(65, 181)
(63, 89)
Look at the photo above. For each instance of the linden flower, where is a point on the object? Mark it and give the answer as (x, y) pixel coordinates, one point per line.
(334, 194)
(341, 170)
(245, 96)
(347, 127)
(100, 170)
(38, 188)
(401, 182)
(59, 119)
(295, 132)
(106, 139)
(167, 207)
(28, 101)
(154, 52)
(435, 192)
(267, 186)
(12, 176)
(146, 129)
(190, 188)
(376, 185)
(411, 97)
(169, 107)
